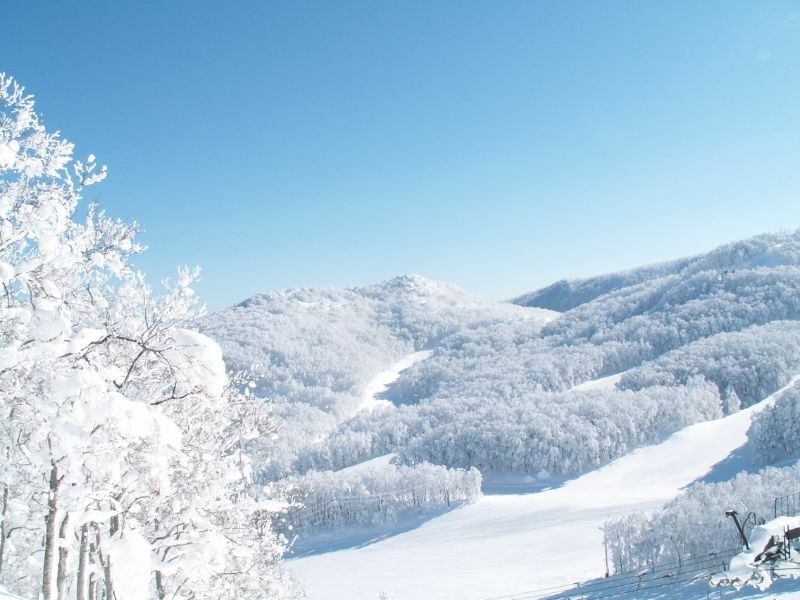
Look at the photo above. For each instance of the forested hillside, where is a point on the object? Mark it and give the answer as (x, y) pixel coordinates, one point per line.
(760, 251)
(688, 341)
(313, 352)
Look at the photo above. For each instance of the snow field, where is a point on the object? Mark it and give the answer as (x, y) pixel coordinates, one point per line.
(512, 543)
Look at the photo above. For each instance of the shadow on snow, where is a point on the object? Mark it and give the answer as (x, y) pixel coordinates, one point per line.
(331, 540)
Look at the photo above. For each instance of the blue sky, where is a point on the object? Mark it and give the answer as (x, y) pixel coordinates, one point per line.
(498, 145)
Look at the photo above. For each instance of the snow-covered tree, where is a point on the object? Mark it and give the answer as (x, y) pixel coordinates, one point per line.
(124, 472)
(694, 524)
(773, 433)
(371, 496)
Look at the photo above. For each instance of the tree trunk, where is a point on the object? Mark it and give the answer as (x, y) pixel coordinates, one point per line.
(3, 527)
(82, 562)
(115, 519)
(92, 574)
(162, 593)
(105, 562)
(50, 540)
(112, 531)
(92, 586)
(107, 578)
(63, 555)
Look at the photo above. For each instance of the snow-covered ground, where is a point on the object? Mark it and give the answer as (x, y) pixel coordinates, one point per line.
(510, 544)
(383, 380)
(604, 383)
(379, 462)
(4, 595)
(669, 587)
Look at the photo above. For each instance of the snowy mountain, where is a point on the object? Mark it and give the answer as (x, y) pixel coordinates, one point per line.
(402, 440)
(315, 352)
(769, 250)
(429, 377)
(500, 385)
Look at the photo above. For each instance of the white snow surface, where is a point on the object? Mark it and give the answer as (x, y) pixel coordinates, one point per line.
(379, 462)
(131, 559)
(516, 543)
(5, 595)
(381, 382)
(604, 383)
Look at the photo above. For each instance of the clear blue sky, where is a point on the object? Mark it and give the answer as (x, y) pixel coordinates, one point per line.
(499, 145)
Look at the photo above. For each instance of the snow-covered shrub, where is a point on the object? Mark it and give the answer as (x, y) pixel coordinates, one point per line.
(374, 496)
(694, 524)
(774, 433)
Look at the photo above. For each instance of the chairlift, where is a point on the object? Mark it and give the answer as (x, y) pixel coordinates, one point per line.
(777, 547)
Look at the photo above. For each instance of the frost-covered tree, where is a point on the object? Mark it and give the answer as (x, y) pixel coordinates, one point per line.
(371, 496)
(775, 432)
(124, 472)
(564, 433)
(747, 366)
(694, 524)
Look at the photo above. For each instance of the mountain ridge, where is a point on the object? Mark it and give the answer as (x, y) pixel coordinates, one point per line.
(312, 353)
(566, 294)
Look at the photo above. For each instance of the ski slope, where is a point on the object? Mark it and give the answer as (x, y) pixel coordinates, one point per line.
(505, 545)
(604, 383)
(383, 380)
